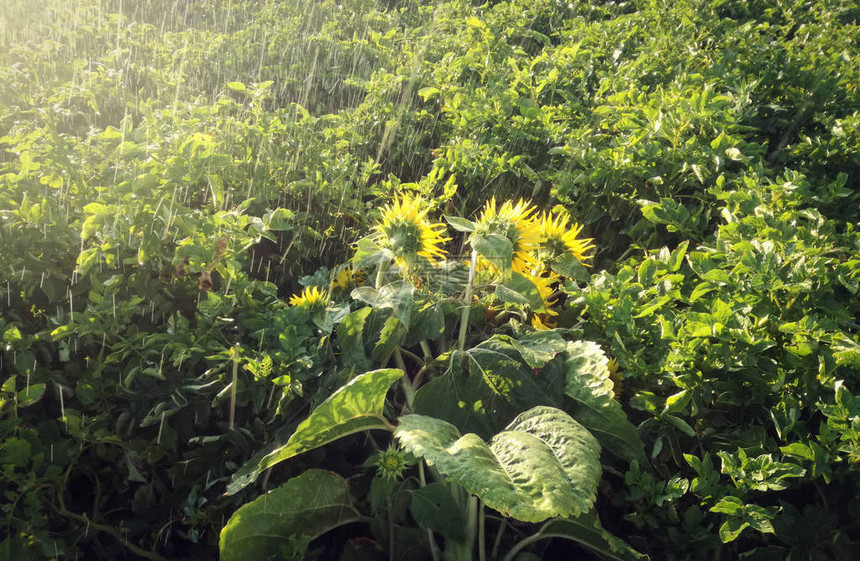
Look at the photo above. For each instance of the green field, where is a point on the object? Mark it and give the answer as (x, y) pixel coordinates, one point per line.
(429, 280)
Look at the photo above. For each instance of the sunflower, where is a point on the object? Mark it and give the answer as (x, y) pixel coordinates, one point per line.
(391, 463)
(544, 284)
(515, 222)
(310, 297)
(558, 239)
(347, 279)
(539, 324)
(405, 230)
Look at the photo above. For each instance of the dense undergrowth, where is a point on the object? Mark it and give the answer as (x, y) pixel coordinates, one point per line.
(172, 172)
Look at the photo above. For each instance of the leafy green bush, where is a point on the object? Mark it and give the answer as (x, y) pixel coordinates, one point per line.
(170, 173)
(735, 349)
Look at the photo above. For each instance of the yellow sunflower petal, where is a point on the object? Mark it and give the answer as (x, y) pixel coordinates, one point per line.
(406, 231)
(557, 238)
(310, 296)
(516, 222)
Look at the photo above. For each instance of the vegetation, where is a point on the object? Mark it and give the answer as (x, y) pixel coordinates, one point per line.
(429, 280)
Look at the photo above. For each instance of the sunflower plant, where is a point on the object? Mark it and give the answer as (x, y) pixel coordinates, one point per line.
(493, 424)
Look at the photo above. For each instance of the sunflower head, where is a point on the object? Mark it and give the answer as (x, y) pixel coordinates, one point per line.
(347, 279)
(310, 297)
(391, 463)
(543, 322)
(558, 238)
(545, 286)
(405, 230)
(516, 223)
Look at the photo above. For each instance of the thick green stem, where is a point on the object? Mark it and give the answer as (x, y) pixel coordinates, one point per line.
(463, 551)
(412, 356)
(472, 523)
(404, 381)
(391, 551)
(498, 541)
(425, 348)
(467, 304)
(522, 545)
(434, 547)
(482, 547)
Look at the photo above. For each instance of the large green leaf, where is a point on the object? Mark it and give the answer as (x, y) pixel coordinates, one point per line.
(587, 382)
(519, 289)
(511, 386)
(495, 248)
(350, 337)
(31, 395)
(434, 507)
(397, 296)
(280, 524)
(536, 347)
(544, 464)
(571, 267)
(456, 396)
(587, 531)
(493, 382)
(355, 407)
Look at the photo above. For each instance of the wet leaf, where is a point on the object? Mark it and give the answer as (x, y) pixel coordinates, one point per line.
(288, 518)
(543, 465)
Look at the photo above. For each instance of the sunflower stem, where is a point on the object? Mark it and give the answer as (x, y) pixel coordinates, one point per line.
(482, 546)
(391, 552)
(407, 385)
(498, 541)
(467, 305)
(434, 547)
(425, 348)
(235, 355)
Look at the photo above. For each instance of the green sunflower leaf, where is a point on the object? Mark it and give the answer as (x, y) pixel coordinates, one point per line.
(288, 518)
(587, 531)
(571, 267)
(496, 248)
(355, 407)
(519, 289)
(587, 382)
(460, 224)
(543, 465)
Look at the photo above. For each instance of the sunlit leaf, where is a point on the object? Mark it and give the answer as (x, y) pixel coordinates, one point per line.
(497, 249)
(589, 385)
(518, 289)
(586, 530)
(31, 396)
(288, 518)
(544, 464)
(460, 224)
(355, 407)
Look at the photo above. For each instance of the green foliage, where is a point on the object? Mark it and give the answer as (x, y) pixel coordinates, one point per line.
(282, 522)
(544, 464)
(170, 172)
(588, 383)
(356, 407)
(736, 346)
(587, 531)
